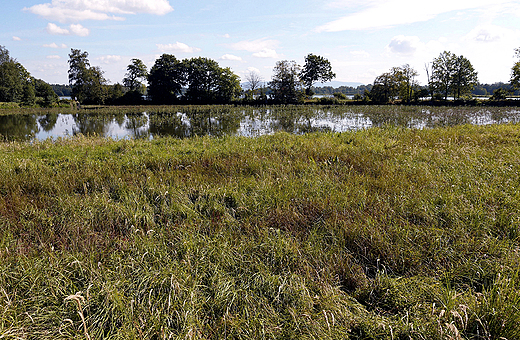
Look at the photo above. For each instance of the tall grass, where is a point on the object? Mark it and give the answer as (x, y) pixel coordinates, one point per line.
(384, 233)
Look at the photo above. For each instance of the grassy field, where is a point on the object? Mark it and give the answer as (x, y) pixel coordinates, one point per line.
(385, 233)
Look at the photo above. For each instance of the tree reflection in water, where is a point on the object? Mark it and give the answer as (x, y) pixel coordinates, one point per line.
(18, 127)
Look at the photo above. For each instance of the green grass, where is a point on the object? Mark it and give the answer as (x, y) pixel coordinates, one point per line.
(386, 233)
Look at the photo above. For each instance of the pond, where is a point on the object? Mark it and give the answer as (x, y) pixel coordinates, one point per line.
(190, 121)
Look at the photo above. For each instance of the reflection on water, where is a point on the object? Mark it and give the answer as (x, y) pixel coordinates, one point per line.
(222, 120)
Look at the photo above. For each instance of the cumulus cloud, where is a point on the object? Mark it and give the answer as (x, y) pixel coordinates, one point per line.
(177, 47)
(78, 10)
(388, 13)
(53, 57)
(261, 48)
(17, 38)
(230, 57)
(109, 59)
(404, 45)
(56, 30)
(266, 53)
(54, 45)
(76, 29)
(255, 45)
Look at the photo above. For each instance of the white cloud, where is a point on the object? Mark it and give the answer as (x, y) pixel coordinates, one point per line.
(227, 36)
(56, 30)
(261, 48)
(253, 69)
(266, 53)
(177, 47)
(109, 59)
(255, 45)
(404, 45)
(53, 57)
(17, 38)
(230, 57)
(77, 29)
(388, 13)
(78, 10)
(54, 45)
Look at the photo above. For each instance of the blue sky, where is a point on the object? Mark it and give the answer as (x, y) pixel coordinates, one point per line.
(362, 39)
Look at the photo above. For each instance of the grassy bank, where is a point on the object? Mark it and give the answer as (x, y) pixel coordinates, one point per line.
(383, 233)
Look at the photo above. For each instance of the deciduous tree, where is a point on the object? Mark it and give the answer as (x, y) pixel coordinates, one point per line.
(209, 83)
(166, 79)
(285, 84)
(452, 74)
(135, 76)
(515, 72)
(88, 83)
(316, 68)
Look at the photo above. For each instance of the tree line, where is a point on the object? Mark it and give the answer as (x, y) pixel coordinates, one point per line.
(18, 86)
(203, 81)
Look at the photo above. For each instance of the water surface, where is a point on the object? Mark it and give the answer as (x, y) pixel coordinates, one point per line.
(223, 120)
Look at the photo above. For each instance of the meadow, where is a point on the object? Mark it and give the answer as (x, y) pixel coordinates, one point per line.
(380, 233)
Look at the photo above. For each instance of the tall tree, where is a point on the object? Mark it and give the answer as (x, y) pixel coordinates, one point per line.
(408, 83)
(254, 81)
(386, 87)
(452, 74)
(464, 77)
(442, 73)
(209, 83)
(88, 83)
(135, 76)
(316, 68)
(285, 84)
(166, 79)
(515, 72)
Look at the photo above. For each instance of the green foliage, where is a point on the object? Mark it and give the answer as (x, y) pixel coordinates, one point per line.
(399, 82)
(453, 75)
(500, 94)
(135, 76)
(316, 68)
(87, 82)
(209, 83)
(166, 79)
(285, 84)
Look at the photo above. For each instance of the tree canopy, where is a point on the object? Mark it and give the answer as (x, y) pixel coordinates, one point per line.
(452, 74)
(285, 84)
(515, 72)
(136, 75)
(88, 83)
(17, 84)
(316, 68)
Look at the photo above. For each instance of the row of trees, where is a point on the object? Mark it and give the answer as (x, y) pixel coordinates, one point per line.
(17, 85)
(195, 80)
(170, 80)
(448, 75)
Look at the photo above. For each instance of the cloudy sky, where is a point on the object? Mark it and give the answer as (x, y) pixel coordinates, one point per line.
(362, 39)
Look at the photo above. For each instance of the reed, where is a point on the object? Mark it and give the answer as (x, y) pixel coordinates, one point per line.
(383, 233)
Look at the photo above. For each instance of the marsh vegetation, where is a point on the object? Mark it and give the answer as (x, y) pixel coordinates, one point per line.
(382, 233)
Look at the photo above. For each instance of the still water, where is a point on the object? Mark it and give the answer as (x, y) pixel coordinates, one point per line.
(218, 121)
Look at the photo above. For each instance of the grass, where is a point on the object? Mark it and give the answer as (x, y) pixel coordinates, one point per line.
(386, 233)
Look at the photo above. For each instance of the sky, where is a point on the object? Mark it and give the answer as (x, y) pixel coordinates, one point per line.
(361, 39)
